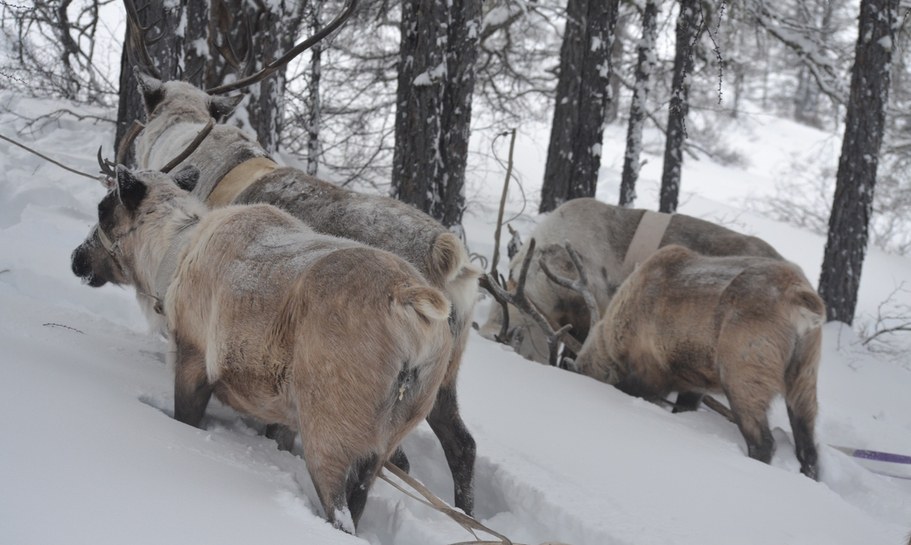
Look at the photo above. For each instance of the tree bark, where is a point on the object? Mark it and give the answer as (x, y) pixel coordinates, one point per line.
(688, 32)
(165, 56)
(433, 105)
(645, 65)
(583, 93)
(856, 177)
(314, 105)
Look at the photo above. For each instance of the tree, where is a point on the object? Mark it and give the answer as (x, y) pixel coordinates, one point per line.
(439, 47)
(689, 29)
(50, 49)
(645, 64)
(206, 44)
(580, 105)
(314, 105)
(161, 57)
(856, 177)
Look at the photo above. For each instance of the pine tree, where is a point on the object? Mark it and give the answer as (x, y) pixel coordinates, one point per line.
(436, 78)
(856, 177)
(689, 29)
(645, 65)
(580, 107)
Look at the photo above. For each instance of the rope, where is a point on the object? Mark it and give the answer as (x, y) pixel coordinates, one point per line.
(470, 524)
(46, 158)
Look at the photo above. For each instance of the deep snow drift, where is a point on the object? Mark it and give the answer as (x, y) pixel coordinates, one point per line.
(90, 454)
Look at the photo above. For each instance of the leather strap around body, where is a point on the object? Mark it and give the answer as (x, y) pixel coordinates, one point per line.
(239, 178)
(646, 240)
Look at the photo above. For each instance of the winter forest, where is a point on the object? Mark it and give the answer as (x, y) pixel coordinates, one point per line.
(455, 271)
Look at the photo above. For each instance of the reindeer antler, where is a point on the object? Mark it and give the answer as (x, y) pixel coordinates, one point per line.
(580, 285)
(106, 166)
(519, 300)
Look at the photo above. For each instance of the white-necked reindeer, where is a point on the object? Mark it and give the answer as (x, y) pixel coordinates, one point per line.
(345, 343)
(610, 240)
(234, 168)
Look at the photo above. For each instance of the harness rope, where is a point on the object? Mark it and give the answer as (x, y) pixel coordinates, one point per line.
(429, 499)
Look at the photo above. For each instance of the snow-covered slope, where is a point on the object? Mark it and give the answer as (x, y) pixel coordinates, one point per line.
(89, 453)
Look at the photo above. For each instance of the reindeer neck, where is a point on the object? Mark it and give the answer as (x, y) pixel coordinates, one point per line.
(162, 256)
(164, 138)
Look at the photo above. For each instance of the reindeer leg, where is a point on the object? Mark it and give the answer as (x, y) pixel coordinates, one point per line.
(281, 434)
(750, 410)
(399, 460)
(687, 402)
(361, 475)
(191, 385)
(457, 442)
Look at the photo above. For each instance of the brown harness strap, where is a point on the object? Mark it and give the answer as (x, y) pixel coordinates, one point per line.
(239, 178)
(646, 240)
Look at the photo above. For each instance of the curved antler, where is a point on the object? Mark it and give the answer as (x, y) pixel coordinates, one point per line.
(275, 65)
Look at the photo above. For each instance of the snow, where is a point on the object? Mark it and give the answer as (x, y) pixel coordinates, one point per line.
(91, 454)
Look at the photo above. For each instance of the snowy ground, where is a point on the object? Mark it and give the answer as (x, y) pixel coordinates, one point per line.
(90, 455)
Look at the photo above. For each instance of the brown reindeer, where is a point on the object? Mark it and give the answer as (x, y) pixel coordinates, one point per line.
(345, 343)
(234, 168)
(746, 326)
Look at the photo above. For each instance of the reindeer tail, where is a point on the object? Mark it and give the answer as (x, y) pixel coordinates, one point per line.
(448, 260)
(429, 303)
(801, 373)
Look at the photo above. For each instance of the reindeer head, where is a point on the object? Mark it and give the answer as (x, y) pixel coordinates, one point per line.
(522, 333)
(179, 98)
(108, 253)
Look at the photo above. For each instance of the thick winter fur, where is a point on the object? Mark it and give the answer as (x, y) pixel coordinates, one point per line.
(176, 113)
(346, 343)
(745, 326)
(601, 233)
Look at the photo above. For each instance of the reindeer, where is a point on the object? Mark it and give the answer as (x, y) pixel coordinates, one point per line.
(235, 169)
(346, 343)
(610, 241)
(746, 326)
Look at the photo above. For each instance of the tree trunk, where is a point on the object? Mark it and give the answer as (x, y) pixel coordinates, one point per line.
(856, 176)
(645, 65)
(275, 26)
(165, 56)
(433, 105)
(688, 32)
(583, 93)
(314, 106)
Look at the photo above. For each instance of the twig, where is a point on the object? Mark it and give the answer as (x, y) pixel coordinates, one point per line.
(52, 324)
(496, 235)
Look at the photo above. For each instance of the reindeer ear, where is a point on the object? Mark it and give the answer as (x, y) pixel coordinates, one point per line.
(152, 90)
(130, 190)
(222, 107)
(186, 177)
